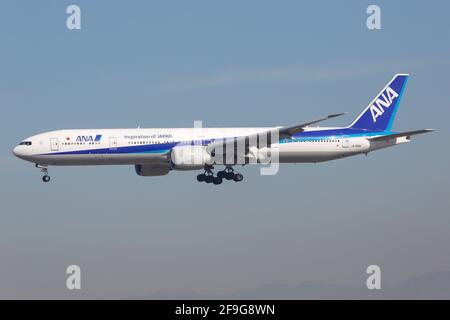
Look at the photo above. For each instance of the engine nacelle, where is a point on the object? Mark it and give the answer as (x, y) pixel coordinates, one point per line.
(190, 157)
(148, 170)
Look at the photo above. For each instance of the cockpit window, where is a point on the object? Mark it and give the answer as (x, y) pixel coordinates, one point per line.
(25, 143)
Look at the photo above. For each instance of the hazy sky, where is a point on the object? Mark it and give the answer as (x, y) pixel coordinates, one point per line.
(228, 63)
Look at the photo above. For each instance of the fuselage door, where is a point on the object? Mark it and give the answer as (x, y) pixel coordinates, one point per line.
(112, 143)
(344, 142)
(54, 145)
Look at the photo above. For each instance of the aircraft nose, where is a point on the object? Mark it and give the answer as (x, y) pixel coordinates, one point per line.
(16, 151)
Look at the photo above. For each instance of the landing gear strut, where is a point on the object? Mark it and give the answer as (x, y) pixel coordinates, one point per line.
(208, 176)
(44, 170)
(228, 174)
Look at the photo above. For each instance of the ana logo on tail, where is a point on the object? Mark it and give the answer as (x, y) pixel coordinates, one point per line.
(384, 101)
(380, 113)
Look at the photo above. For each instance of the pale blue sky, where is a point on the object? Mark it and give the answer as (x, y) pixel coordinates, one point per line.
(228, 63)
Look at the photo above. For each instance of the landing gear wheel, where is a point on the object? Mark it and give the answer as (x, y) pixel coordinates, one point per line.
(238, 177)
(229, 175)
(209, 178)
(44, 170)
(201, 177)
(221, 174)
(217, 180)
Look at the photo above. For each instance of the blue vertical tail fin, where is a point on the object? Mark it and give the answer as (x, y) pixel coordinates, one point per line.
(380, 113)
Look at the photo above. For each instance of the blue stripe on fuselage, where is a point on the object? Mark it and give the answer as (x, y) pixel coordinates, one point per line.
(151, 148)
(339, 132)
(165, 147)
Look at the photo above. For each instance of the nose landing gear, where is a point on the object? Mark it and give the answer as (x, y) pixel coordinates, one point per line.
(44, 169)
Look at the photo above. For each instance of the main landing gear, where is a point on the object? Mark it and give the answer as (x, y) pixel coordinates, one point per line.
(44, 169)
(228, 174)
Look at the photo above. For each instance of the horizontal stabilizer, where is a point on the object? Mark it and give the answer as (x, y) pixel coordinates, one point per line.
(401, 134)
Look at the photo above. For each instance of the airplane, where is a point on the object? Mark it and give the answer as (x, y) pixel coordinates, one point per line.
(156, 152)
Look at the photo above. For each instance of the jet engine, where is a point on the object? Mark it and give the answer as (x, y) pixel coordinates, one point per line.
(156, 169)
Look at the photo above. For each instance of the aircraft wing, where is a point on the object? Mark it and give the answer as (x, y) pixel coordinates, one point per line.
(263, 139)
(399, 135)
(289, 131)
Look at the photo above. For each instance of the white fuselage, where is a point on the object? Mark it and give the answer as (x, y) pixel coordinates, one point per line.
(146, 146)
